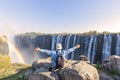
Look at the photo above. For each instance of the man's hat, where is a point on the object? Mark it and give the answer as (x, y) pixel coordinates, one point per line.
(58, 46)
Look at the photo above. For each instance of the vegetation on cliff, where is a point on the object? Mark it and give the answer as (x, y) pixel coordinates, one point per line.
(12, 71)
(65, 33)
(4, 61)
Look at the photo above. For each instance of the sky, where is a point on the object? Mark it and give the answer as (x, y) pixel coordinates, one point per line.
(53, 16)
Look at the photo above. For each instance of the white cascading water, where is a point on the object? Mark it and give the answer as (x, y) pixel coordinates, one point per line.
(68, 42)
(90, 46)
(53, 42)
(106, 46)
(72, 56)
(85, 49)
(94, 49)
(58, 39)
(118, 45)
(61, 39)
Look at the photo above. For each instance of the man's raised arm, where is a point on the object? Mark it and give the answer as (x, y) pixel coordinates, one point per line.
(43, 51)
(72, 49)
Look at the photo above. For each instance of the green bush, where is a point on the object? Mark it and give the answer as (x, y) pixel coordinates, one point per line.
(98, 66)
(114, 72)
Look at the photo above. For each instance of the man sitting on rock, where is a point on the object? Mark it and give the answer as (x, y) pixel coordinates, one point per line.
(58, 56)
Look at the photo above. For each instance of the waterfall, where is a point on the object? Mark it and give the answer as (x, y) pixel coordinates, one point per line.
(65, 42)
(118, 45)
(72, 56)
(85, 45)
(68, 42)
(61, 39)
(94, 49)
(58, 39)
(106, 46)
(90, 47)
(53, 42)
(43, 41)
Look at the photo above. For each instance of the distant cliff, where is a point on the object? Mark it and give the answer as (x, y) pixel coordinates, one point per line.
(96, 46)
(4, 50)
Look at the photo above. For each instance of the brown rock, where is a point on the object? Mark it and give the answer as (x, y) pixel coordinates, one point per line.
(84, 58)
(75, 70)
(46, 63)
(43, 74)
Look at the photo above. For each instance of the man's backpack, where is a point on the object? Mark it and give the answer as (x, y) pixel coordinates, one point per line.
(60, 60)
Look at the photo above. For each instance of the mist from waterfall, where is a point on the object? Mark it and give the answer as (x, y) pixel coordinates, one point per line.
(14, 53)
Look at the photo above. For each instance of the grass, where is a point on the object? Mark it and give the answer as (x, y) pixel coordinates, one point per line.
(4, 61)
(14, 71)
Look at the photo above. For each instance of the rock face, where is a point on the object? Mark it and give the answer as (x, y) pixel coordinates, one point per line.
(112, 64)
(104, 76)
(43, 74)
(4, 50)
(73, 70)
(78, 70)
(46, 63)
(84, 58)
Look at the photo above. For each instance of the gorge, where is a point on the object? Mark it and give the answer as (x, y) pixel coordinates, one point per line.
(97, 47)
